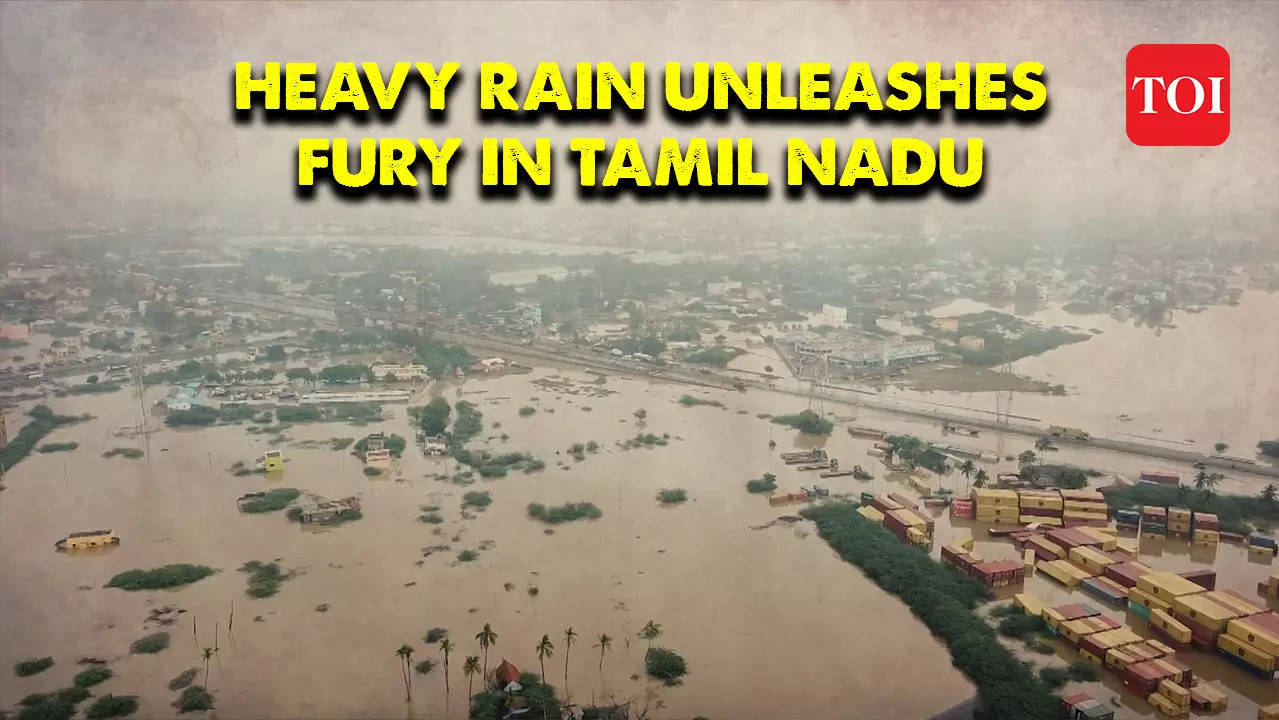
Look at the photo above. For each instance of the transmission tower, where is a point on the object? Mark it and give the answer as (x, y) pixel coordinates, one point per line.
(139, 385)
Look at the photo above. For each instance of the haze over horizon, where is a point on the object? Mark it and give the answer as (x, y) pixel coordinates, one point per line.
(111, 118)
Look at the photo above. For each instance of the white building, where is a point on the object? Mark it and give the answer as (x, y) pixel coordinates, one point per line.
(400, 372)
(834, 316)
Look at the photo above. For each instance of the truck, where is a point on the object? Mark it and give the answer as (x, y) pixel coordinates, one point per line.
(1068, 432)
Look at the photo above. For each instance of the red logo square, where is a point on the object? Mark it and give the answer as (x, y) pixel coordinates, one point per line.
(1178, 94)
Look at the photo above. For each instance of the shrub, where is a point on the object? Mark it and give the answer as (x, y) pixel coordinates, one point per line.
(264, 578)
(434, 635)
(527, 410)
(806, 421)
(124, 452)
(564, 513)
(431, 518)
(92, 676)
(109, 706)
(372, 471)
(766, 484)
(1021, 626)
(1054, 677)
(43, 421)
(31, 666)
(159, 578)
(193, 699)
(57, 447)
(294, 513)
(1082, 671)
(424, 667)
(467, 556)
(477, 499)
(150, 644)
(184, 678)
(665, 665)
(673, 496)
(72, 694)
(49, 707)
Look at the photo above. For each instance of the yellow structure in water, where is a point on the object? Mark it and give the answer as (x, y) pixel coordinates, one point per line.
(273, 461)
(87, 539)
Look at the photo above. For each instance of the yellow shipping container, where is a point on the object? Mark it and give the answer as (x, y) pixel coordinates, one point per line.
(1053, 618)
(1177, 513)
(1001, 514)
(1039, 502)
(1254, 634)
(1248, 652)
(1092, 560)
(1051, 521)
(1028, 560)
(1268, 712)
(1206, 537)
(871, 513)
(1117, 658)
(1117, 637)
(1084, 505)
(1175, 693)
(1166, 706)
(1159, 647)
(1204, 611)
(1055, 570)
(992, 496)
(1128, 546)
(1030, 603)
(1090, 657)
(1166, 585)
(967, 544)
(1168, 624)
(1176, 673)
(1145, 599)
(1108, 539)
(1044, 543)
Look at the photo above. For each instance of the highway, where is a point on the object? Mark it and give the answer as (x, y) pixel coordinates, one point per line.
(568, 354)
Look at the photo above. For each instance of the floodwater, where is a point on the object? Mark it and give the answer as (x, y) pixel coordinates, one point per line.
(771, 622)
(1213, 377)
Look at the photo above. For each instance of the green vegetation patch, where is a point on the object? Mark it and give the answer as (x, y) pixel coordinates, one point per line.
(665, 665)
(32, 666)
(691, 401)
(125, 452)
(564, 513)
(270, 501)
(109, 706)
(150, 644)
(1236, 513)
(944, 600)
(477, 499)
(806, 421)
(527, 410)
(536, 696)
(194, 699)
(159, 578)
(715, 356)
(469, 423)
(264, 578)
(672, 496)
(766, 484)
(49, 707)
(92, 676)
(58, 447)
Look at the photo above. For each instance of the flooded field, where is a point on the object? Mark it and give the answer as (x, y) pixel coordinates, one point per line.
(771, 622)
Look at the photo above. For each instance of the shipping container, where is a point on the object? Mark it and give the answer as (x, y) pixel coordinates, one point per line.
(902, 500)
(1203, 611)
(1167, 626)
(1242, 606)
(1247, 652)
(1166, 585)
(1261, 631)
(1160, 477)
(1127, 573)
(1146, 600)
(1208, 698)
(1205, 578)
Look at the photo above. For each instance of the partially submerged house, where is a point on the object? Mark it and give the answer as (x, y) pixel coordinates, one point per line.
(87, 539)
(330, 510)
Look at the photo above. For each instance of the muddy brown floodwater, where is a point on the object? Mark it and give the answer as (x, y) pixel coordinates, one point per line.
(771, 622)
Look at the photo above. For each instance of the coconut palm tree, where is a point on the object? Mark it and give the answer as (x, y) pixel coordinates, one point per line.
(208, 653)
(1206, 483)
(605, 643)
(570, 638)
(487, 639)
(967, 468)
(470, 667)
(1183, 492)
(545, 648)
(405, 654)
(1041, 446)
(650, 632)
(446, 647)
(979, 480)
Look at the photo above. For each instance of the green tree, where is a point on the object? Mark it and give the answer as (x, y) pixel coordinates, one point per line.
(1183, 493)
(1206, 484)
(275, 353)
(1027, 457)
(570, 638)
(446, 647)
(979, 480)
(605, 643)
(967, 468)
(470, 667)
(1269, 495)
(487, 639)
(650, 632)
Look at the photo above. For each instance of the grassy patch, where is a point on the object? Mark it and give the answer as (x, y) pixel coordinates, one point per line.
(32, 666)
(672, 496)
(43, 421)
(646, 440)
(435, 635)
(424, 667)
(124, 452)
(92, 676)
(945, 601)
(48, 707)
(150, 644)
(270, 501)
(665, 665)
(57, 447)
(564, 513)
(477, 499)
(109, 706)
(372, 471)
(467, 556)
(264, 578)
(527, 410)
(167, 576)
(691, 401)
(194, 699)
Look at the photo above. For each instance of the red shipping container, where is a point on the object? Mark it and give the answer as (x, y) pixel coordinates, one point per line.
(1205, 578)
(1125, 574)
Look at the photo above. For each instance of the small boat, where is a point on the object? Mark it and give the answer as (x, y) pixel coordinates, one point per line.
(834, 472)
(815, 466)
(87, 539)
(861, 474)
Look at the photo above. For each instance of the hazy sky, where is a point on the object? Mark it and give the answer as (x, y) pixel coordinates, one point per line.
(113, 112)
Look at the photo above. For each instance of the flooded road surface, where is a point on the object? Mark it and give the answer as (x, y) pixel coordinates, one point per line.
(771, 622)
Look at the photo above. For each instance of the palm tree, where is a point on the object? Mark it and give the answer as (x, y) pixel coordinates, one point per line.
(980, 479)
(570, 638)
(1026, 457)
(1183, 492)
(208, 653)
(470, 666)
(1205, 484)
(888, 455)
(650, 632)
(605, 643)
(487, 639)
(545, 649)
(405, 654)
(1042, 445)
(446, 647)
(967, 468)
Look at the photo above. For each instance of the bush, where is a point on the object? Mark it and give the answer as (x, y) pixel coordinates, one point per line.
(1021, 626)
(673, 496)
(264, 578)
(272, 500)
(1054, 677)
(31, 666)
(48, 708)
(92, 676)
(477, 499)
(160, 578)
(150, 644)
(109, 706)
(372, 471)
(1082, 671)
(184, 678)
(193, 699)
(766, 484)
(467, 556)
(527, 410)
(944, 599)
(534, 695)
(690, 401)
(43, 422)
(57, 447)
(424, 667)
(431, 518)
(72, 694)
(806, 422)
(564, 513)
(435, 635)
(665, 665)
(125, 452)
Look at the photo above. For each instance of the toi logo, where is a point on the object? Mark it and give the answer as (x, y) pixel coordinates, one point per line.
(1178, 94)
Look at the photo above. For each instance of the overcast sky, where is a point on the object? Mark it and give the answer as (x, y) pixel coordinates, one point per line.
(112, 112)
